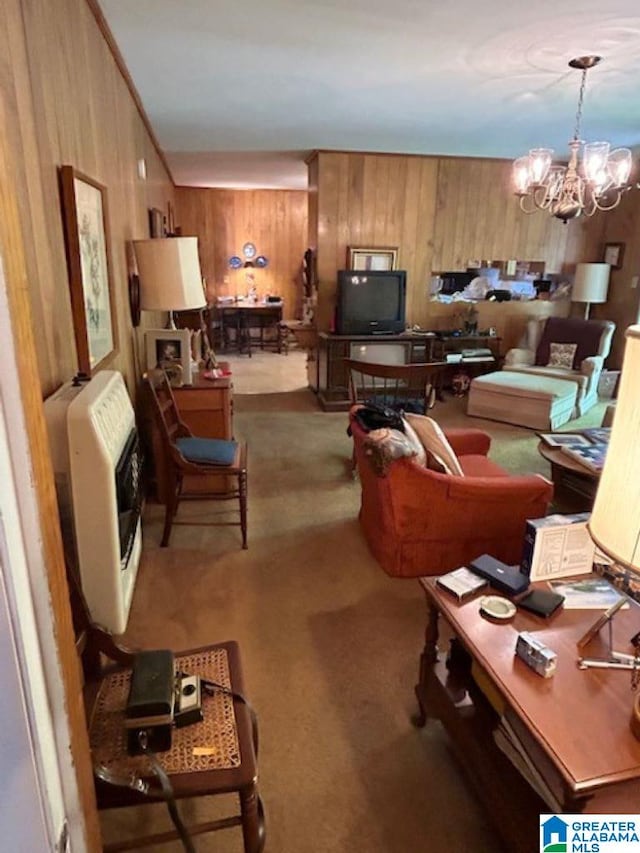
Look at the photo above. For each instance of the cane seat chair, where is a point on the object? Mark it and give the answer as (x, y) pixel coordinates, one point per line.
(227, 735)
(190, 456)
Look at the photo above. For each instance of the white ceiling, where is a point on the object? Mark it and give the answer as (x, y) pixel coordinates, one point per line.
(240, 91)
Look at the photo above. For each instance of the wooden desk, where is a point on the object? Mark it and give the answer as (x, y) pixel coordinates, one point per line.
(206, 407)
(574, 726)
(243, 317)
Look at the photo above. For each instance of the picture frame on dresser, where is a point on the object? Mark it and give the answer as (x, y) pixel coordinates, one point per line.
(85, 223)
(170, 349)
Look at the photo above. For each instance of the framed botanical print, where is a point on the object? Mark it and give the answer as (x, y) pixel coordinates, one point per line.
(86, 232)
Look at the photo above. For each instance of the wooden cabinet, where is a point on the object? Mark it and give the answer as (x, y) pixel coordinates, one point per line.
(206, 407)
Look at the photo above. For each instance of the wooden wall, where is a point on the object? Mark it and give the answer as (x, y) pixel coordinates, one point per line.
(70, 105)
(439, 211)
(224, 220)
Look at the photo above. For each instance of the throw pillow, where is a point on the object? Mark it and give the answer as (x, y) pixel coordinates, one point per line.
(562, 355)
(414, 441)
(435, 443)
(384, 446)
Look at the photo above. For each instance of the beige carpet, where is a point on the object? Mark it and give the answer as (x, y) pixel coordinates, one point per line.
(330, 643)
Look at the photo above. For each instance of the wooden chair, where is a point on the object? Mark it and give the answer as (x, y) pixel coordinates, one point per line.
(229, 725)
(408, 387)
(189, 456)
(403, 387)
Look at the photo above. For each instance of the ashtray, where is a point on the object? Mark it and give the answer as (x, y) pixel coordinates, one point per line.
(497, 608)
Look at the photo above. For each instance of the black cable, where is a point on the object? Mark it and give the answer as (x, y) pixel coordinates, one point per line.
(211, 686)
(167, 792)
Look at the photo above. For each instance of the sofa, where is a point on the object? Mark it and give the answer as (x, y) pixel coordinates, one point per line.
(592, 339)
(418, 521)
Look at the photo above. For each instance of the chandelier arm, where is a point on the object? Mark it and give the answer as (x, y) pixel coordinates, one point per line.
(523, 205)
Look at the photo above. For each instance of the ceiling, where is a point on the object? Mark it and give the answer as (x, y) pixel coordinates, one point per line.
(240, 91)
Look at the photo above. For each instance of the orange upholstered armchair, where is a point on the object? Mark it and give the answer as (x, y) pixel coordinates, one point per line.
(420, 522)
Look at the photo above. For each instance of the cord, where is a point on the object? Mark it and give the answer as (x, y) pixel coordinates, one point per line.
(167, 792)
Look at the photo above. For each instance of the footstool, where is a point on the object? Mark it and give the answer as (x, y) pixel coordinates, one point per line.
(524, 399)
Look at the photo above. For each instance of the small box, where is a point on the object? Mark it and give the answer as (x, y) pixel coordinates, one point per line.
(557, 546)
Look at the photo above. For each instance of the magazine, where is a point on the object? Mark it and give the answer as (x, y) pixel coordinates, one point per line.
(598, 435)
(588, 593)
(591, 457)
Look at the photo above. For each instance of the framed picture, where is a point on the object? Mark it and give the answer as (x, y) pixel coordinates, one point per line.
(85, 221)
(371, 259)
(613, 254)
(564, 439)
(171, 350)
(156, 223)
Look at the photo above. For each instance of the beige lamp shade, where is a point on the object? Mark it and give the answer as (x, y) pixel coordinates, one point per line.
(591, 283)
(615, 520)
(169, 272)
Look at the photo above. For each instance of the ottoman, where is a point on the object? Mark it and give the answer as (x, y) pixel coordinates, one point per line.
(524, 399)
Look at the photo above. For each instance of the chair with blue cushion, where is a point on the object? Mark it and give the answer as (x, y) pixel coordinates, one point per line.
(188, 455)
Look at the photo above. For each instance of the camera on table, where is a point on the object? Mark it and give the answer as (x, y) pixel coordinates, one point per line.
(159, 699)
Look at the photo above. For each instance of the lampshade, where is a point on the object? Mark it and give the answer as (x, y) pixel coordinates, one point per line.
(591, 283)
(615, 520)
(170, 276)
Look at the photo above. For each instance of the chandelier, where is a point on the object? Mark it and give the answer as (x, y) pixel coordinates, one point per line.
(595, 181)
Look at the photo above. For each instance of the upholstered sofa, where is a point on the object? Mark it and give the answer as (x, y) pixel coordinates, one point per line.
(593, 342)
(418, 521)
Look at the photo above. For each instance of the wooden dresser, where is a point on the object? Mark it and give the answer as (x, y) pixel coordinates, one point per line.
(206, 407)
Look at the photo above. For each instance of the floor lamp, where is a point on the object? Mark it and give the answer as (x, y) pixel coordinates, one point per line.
(615, 521)
(590, 285)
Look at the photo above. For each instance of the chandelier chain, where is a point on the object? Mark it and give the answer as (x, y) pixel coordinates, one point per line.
(583, 84)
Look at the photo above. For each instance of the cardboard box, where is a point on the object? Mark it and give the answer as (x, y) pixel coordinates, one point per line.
(557, 546)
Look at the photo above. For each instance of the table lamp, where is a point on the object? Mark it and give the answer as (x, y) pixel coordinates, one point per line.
(169, 274)
(590, 284)
(615, 521)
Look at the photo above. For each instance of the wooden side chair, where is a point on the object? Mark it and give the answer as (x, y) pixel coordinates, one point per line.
(408, 387)
(403, 387)
(190, 456)
(227, 735)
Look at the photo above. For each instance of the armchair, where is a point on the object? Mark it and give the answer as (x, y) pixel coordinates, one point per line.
(420, 522)
(593, 342)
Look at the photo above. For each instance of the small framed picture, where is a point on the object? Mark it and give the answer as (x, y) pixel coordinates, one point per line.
(371, 259)
(614, 254)
(171, 350)
(156, 223)
(564, 439)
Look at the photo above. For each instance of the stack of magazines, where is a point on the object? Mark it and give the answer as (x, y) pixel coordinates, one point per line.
(592, 456)
(588, 447)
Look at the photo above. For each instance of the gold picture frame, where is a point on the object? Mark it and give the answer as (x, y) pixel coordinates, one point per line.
(374, 259)
(86, 232)
(170, 349)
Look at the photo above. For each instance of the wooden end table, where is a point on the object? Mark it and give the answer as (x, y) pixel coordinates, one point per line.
(574, 485)
(573, 728)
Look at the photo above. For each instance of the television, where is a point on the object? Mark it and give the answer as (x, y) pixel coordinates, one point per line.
(371, 302)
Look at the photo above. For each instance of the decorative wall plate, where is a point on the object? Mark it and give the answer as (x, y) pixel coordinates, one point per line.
(235, 262)
(261, 261)
(249, 251)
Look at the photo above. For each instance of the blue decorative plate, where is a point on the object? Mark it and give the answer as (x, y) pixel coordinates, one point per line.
(261, 261)
(249, 251)
(235, 262)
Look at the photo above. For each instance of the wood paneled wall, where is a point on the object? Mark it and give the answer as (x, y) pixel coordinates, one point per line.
(224, 220)
(72, 106)
(439, 211)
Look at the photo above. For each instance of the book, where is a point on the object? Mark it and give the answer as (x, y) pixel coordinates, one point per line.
(592, 457)
(461, 583)
(588, 593)
(598, 435)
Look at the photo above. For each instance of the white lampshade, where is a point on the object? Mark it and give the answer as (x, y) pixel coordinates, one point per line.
(591, 283)
(615, 520)
(169, 272)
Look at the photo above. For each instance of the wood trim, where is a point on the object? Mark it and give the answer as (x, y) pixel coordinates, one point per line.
(425, 156)
(104, 28)
(12, 247)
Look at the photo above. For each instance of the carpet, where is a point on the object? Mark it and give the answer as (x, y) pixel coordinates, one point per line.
(330, 644)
